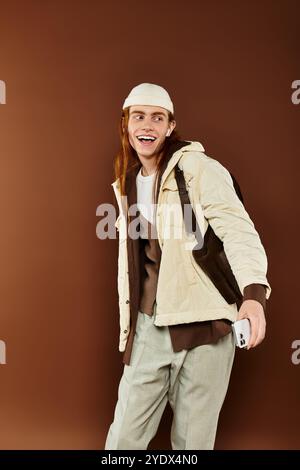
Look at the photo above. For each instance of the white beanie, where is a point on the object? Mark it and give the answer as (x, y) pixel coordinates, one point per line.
(149, 94)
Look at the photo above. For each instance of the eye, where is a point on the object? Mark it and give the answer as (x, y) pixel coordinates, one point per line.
(138, 116)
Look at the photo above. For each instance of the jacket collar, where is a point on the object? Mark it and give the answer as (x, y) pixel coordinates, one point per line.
(130, 185)
(174, 153)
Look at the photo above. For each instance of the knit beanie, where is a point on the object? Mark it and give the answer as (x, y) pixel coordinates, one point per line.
(149, 94)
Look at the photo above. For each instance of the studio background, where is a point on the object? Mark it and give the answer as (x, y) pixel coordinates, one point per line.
(68, 66)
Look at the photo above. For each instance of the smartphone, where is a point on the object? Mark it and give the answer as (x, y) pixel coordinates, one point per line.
(242, 332)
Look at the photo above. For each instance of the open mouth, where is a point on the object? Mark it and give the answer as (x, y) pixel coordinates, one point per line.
(146, 139)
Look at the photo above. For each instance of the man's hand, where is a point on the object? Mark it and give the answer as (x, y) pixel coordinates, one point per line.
(253, 310)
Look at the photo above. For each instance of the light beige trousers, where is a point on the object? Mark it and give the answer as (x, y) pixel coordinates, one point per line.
(194, 381)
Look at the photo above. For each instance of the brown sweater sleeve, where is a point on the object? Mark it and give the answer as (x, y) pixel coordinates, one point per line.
(256, 292)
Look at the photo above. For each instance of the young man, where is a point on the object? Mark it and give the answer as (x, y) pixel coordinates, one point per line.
(175, 326)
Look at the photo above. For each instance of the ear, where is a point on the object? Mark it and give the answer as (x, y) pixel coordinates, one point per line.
(172, 127)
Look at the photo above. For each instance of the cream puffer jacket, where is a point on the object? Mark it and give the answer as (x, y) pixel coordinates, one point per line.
(184, 292)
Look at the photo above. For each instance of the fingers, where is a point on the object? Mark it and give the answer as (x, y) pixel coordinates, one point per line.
(253, 310)
(258, 330)
(261, 331)
(254, 332)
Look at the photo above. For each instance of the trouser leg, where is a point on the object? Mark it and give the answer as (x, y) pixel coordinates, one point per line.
(143, 388)
(198, 385)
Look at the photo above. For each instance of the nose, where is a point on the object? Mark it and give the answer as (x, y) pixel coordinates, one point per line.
(147, 124)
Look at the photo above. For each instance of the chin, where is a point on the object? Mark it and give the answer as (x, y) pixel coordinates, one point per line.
(147, 154)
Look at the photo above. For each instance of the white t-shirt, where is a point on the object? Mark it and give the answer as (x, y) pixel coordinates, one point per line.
(144, 186)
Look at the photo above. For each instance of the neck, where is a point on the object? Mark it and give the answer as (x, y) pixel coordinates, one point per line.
(148, 166)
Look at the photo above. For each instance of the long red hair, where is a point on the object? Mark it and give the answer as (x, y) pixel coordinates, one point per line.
(127, 158)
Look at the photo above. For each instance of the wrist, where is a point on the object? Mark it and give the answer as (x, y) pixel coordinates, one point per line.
(256, 292)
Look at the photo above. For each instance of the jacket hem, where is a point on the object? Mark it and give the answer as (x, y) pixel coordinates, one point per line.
(190, 316)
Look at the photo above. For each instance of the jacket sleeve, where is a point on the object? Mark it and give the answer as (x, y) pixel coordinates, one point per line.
(232, 224)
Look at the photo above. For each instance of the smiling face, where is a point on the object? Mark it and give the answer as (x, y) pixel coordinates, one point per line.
(152, 123)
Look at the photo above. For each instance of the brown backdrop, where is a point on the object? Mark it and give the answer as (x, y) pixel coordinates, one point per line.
(68, 66)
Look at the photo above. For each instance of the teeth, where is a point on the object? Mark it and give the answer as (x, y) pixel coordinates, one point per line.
(146, 137)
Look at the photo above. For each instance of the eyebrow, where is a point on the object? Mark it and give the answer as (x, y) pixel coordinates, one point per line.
(153, 114)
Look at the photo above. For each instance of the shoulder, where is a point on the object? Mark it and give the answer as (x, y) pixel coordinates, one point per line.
(195, 161)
